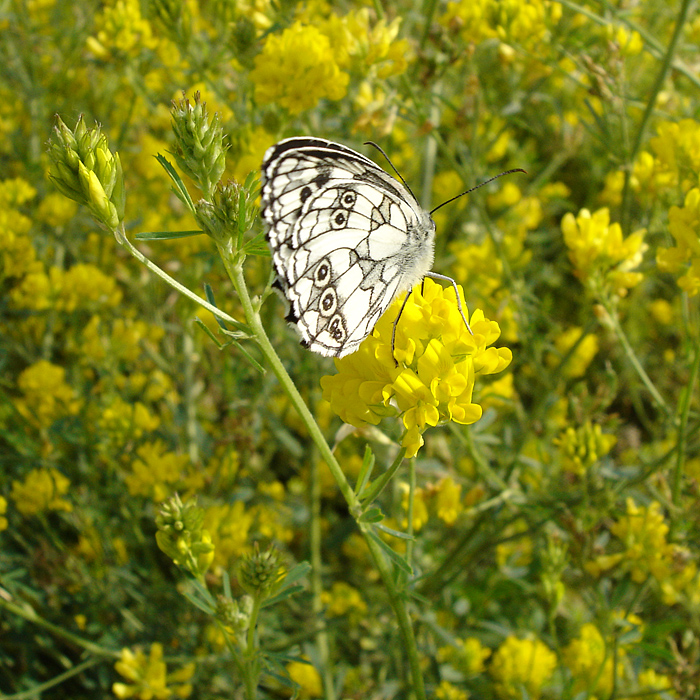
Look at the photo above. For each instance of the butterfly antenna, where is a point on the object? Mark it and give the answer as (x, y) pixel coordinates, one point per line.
(393, 167)
(486, 182)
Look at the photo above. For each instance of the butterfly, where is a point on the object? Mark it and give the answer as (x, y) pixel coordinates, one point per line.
(346, 239)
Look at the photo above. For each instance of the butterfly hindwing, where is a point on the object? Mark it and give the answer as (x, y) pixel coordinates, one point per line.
(345, 236)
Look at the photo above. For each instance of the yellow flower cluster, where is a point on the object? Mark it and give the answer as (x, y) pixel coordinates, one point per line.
(3, 510)
(449, 691)
(510, 21)
(582, 447)
(148, 678)
(590, 662)
(438, 361)
(521, 663)
(684, 226)
(121, 30)
(46, 394)
(367, 49)
(41, 490)
(578, 361)
(602, 259)
(83, 286)
(643, 532)
(344, 600)
(296, 69)
(308, 678)
(155, 471)
(467, 656)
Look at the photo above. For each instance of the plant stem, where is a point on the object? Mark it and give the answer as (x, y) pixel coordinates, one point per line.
(396, 598)
(634, 360)
(683, 427)
(651, 103)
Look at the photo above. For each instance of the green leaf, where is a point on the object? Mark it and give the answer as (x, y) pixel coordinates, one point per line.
(200, 597)
(165, 235)
(366, 470)
(396, 533)
(179, 186)
(372, 515)
(286, 593)
(400, 562)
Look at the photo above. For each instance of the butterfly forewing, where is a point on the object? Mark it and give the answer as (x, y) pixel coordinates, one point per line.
(345, 237)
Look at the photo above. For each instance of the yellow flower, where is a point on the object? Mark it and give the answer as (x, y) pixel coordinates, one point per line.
(420, 508)
(684, 226)
(343, 600)
(643, 533)
(438, 361)
(229, 525)
(448, 500)
(3, 511)
(447, 691)
(577, 363)
(582, 447)
(41, 490)
(296, 69)
(148, 677)
(600, 256)
(590, 664)
(521, 664)
(467, 656)
(307, 677)
(121, 31)
(358, 45)
(511, 21)
(677, 153)
(155, 471)
(46, 395)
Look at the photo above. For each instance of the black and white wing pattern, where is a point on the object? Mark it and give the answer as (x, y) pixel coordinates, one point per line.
(345, 237)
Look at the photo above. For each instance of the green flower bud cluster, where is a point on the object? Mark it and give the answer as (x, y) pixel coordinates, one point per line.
(181, 536)
(260, 573)
(85, 170)
(234, 614)
(232, 210)
(199, 150)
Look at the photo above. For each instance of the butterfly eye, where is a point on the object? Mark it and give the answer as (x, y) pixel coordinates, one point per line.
(338, 220)
(329, 302)
(337, 328)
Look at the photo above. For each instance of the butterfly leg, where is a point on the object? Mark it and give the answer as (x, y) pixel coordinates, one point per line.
(396, 323)
(445, 278)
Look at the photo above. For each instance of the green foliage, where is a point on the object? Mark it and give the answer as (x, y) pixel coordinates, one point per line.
(166, 473)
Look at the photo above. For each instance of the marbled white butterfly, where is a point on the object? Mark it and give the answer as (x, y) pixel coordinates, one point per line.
(346, 239)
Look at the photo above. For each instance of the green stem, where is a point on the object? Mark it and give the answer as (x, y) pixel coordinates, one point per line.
(634, 360)
(30, 615)
(683, 427)
(651, 103)
(120, 235)
(397, 601)
(251, 667)
(315, 537)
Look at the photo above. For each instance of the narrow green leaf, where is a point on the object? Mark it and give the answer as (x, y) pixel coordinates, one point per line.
(179, 186)
(200, 597)
(286, 593)
(400, 562)
(395, 533)
(366, 470)
(207, 330)
(165, 235)
(376, 487)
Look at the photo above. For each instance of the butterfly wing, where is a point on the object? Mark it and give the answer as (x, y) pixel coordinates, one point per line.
(346, 238)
